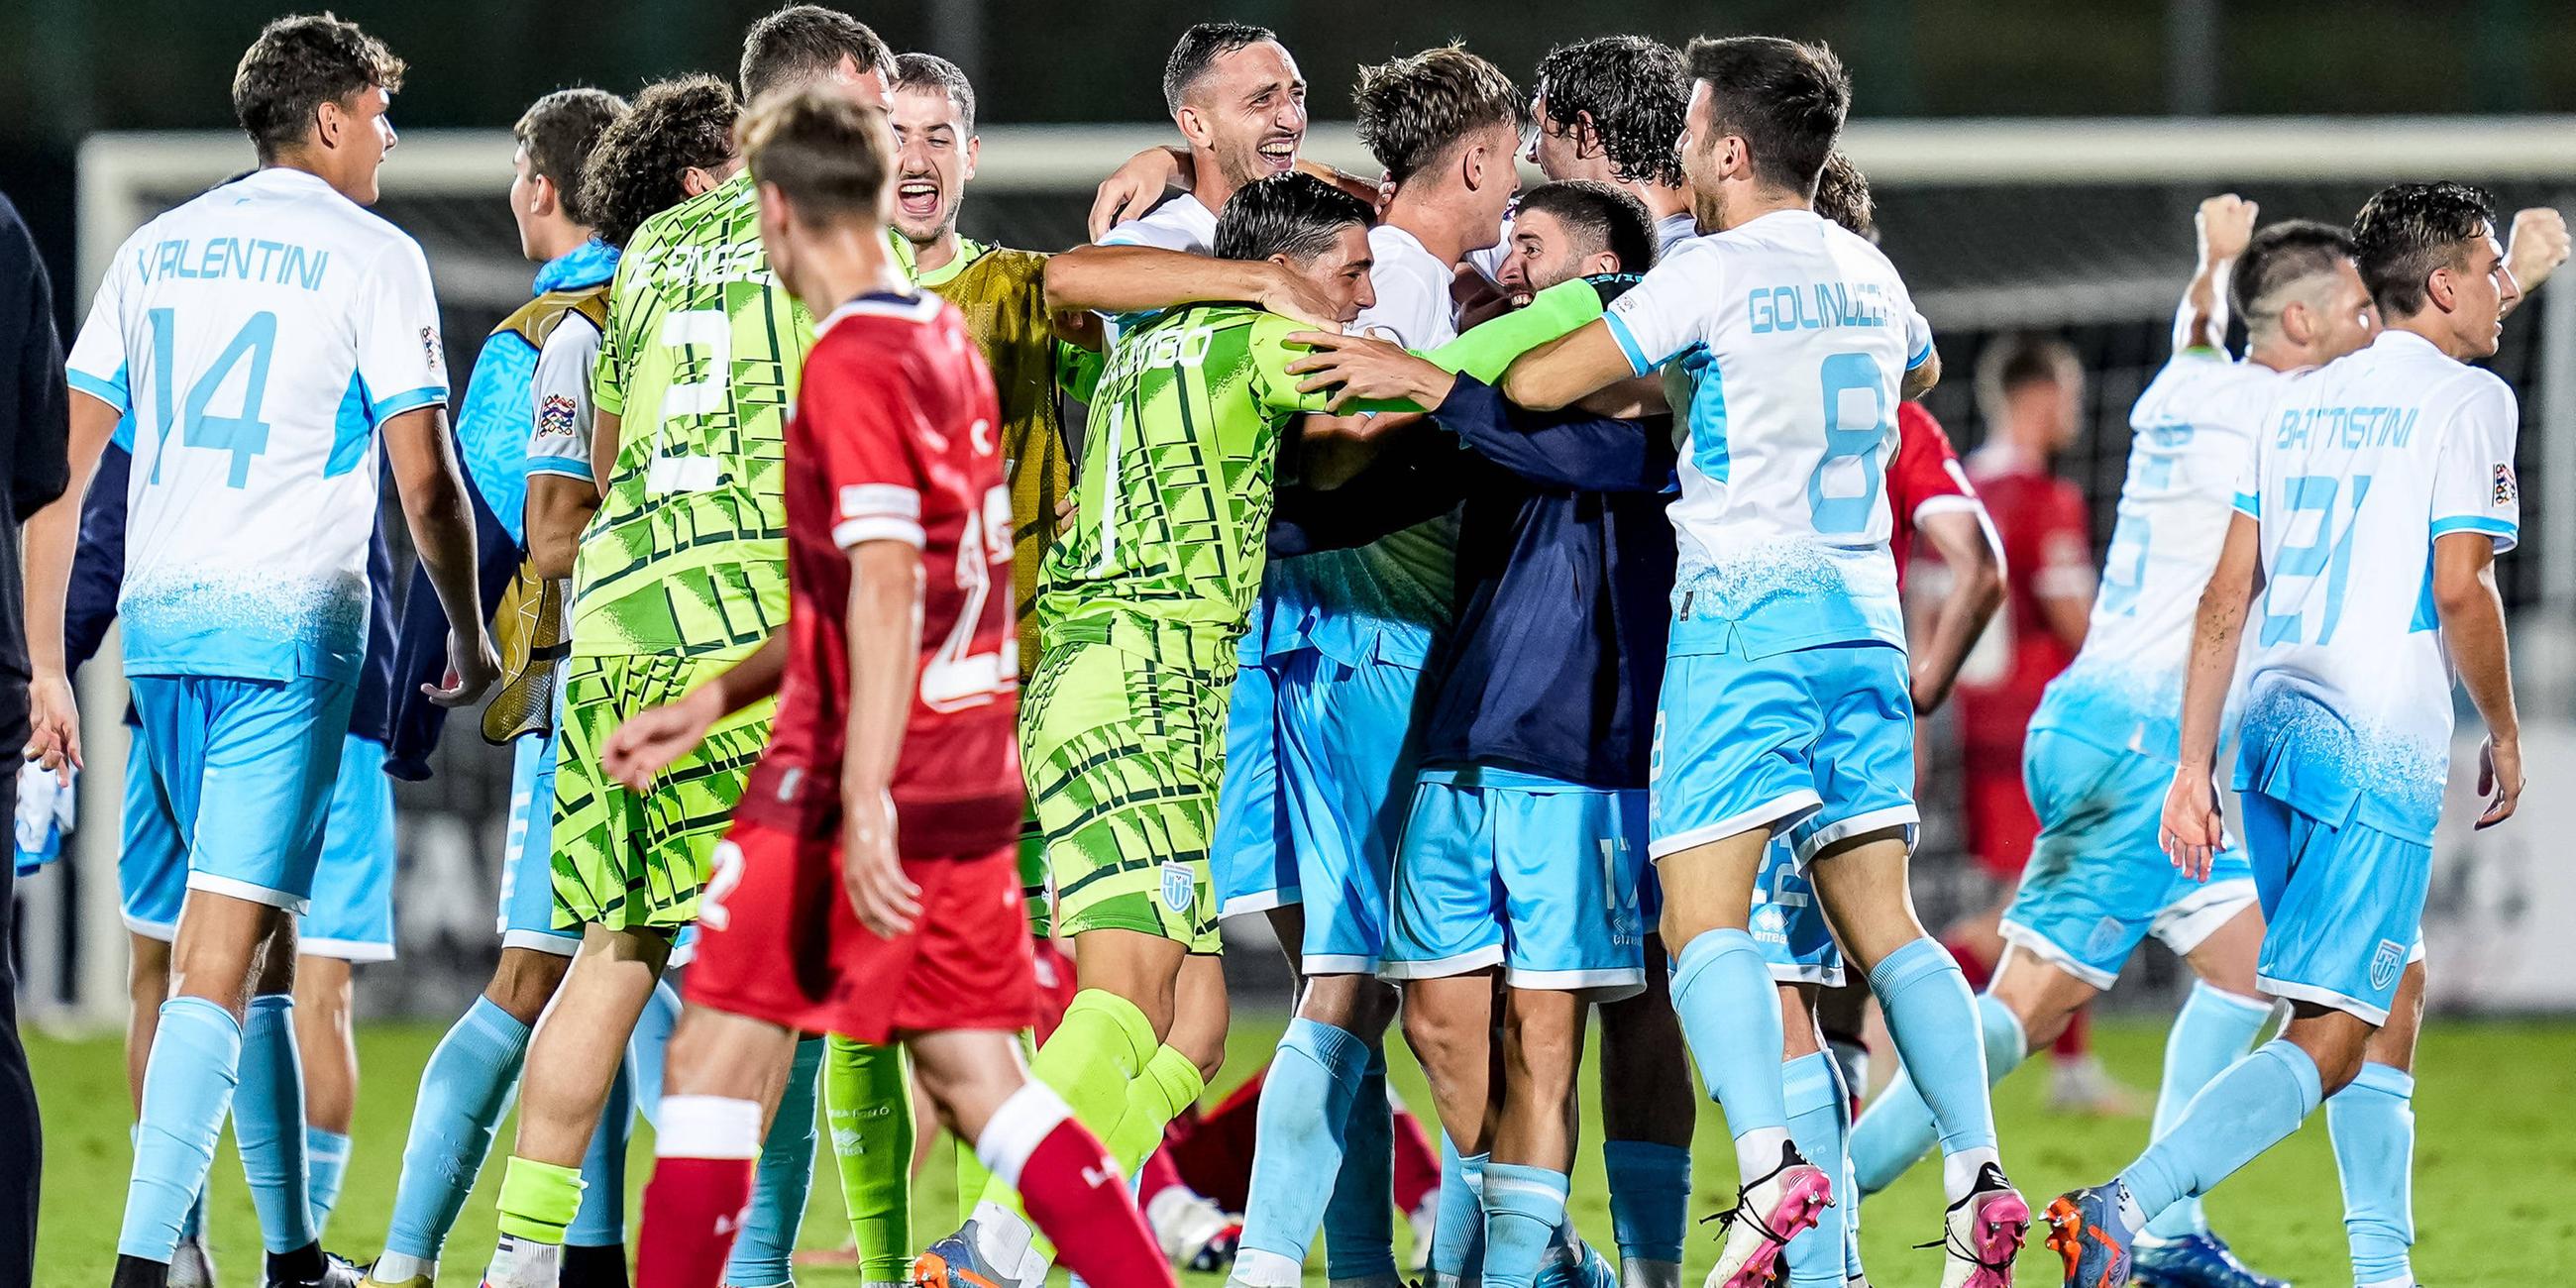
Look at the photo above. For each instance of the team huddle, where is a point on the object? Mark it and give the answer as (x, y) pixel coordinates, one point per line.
(912, 650)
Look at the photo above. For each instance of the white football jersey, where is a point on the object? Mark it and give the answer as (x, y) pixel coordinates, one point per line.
(259, 335)
(1670, 231)
(2191, 433)
(1183, 223)
(1411, 284)
(2360, 466)
(1798, 336)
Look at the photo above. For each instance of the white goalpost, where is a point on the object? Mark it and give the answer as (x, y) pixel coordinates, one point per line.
(2075, 224)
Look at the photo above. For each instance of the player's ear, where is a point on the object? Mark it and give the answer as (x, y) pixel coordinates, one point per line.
(2442, 287)
(330, 120)
(1193, 126)
(974, 146)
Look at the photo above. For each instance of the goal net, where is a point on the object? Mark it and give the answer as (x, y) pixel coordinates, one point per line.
(2080, 228)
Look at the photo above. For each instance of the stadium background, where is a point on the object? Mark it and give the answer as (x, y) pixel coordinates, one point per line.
(2037, 165)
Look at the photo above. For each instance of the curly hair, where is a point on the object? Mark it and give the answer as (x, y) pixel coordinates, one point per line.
(1842, 195)
(1636, 91)
(2407, 230)
(297, 65)
(1415, 108)
(634, 171)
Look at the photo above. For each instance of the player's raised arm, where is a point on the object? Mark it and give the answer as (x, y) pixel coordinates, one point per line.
(1562, 371)
(1144, 279)
(2226, 225)
(2194, 832)
(2538, 247)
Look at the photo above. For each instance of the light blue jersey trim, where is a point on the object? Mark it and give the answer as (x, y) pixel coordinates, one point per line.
(1920, 356)
(1628, 345)
(2249, 505)
(563, 466)
(2475, 523)
(110, 391)
(352, 428)
(408, 400)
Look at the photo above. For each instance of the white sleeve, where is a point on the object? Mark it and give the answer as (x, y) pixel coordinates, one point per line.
(97, 365)
(2474, 488)
(1410, 310)
(1668, 310)
(559, 443)
(399, 355)
(1918, 339)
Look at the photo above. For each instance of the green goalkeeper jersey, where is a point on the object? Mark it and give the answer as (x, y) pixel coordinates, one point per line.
(1165, 551)
(700, 359)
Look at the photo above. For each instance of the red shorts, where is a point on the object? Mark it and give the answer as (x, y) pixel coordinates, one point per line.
(2001, 827)
(779, 941)
(1056, 986)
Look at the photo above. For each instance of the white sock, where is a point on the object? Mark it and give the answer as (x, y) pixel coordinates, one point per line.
(1255, 1268)
(525, 1263)
(394, 1267)
(1757, 1152)
(1959, 1170)
(707, 1127)
(1001, 1237)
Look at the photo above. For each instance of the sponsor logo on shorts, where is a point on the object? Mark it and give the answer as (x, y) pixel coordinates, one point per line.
(555, 417)
(2105, 939)
(1178, 887)
(2386, 963)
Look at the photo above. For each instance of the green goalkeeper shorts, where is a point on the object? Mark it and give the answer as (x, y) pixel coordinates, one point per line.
(1123, 756)
(632, 861)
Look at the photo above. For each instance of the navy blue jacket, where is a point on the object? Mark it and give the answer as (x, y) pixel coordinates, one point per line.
(420, 656)
(1565, 572)
(35, 427)
(98, 575)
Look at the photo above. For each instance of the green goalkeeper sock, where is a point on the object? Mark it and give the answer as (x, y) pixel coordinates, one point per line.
(538, 1199)
(1102, 1046)
(1171, 1083)
(867, 1100)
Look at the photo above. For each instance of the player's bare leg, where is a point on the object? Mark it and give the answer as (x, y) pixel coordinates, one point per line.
(1862, 882)
(721, 1083)
(326, 1038)
(1449, 1024)
(1533, 1145)
(1646, 1128)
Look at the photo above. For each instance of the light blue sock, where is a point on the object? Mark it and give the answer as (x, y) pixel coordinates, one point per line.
(2210, 1032)
(600, 1221)
(268, 1124)
(1896, 1130)
(2251, 1107)
(1730, 1016)
(196, 1222)
(786, 1176)
(1649, 1198)
(2373, 1124)
(1809, 1087)
(651, 1038)
(464, 1091)
(1852, 1272)
(1306, 1103)
(326, 1160)
(1523, 1206)
(1933, 1018)
(187, 1090)
(1359, 1220)
(1458, 1232)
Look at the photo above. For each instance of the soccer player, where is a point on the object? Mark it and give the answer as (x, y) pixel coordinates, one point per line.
(465, 1088)
(2398, 458)
(1526, 830)
(244, 632)
(1322, 738)
(889, 792)
(1122, 738)
(1785, 704)
(681, 574)
(1610, 109)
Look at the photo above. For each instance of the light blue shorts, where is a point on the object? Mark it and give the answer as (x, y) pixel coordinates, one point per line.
(351, 916)
(2343, 907)
(1789, 924)
(1309, 814)
(243, 771)
(1816, 744)
(2098, 881)
(527, 911)
(1535, 875)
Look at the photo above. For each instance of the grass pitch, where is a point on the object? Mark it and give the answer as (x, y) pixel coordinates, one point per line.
(2495, 1167)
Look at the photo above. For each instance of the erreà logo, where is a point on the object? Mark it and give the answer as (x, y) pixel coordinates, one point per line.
(1178, 887)
(2384, 964)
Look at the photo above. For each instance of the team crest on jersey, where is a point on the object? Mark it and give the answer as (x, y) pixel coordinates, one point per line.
(2505, 487)
(555, 417)
(1178, 887)
(2384, 964)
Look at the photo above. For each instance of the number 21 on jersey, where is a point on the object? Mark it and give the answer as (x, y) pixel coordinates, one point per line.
(956, 676)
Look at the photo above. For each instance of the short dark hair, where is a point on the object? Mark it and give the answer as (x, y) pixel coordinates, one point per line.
(1415, 108)
(1842, 195)
(1602, 216)
(634, 170)
(2278, 257)
(2019, 358)
(805, 42)
(2407, 230)
(828, 154)
(1296, 215)
(932, 72)
(558, 132)
(1198, 50)
(1785, 99)
(1636, 91)
(298, 64)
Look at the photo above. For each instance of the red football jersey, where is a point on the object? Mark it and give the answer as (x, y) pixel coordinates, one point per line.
(2048, 552)
(892, 438)
(1925, 478)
